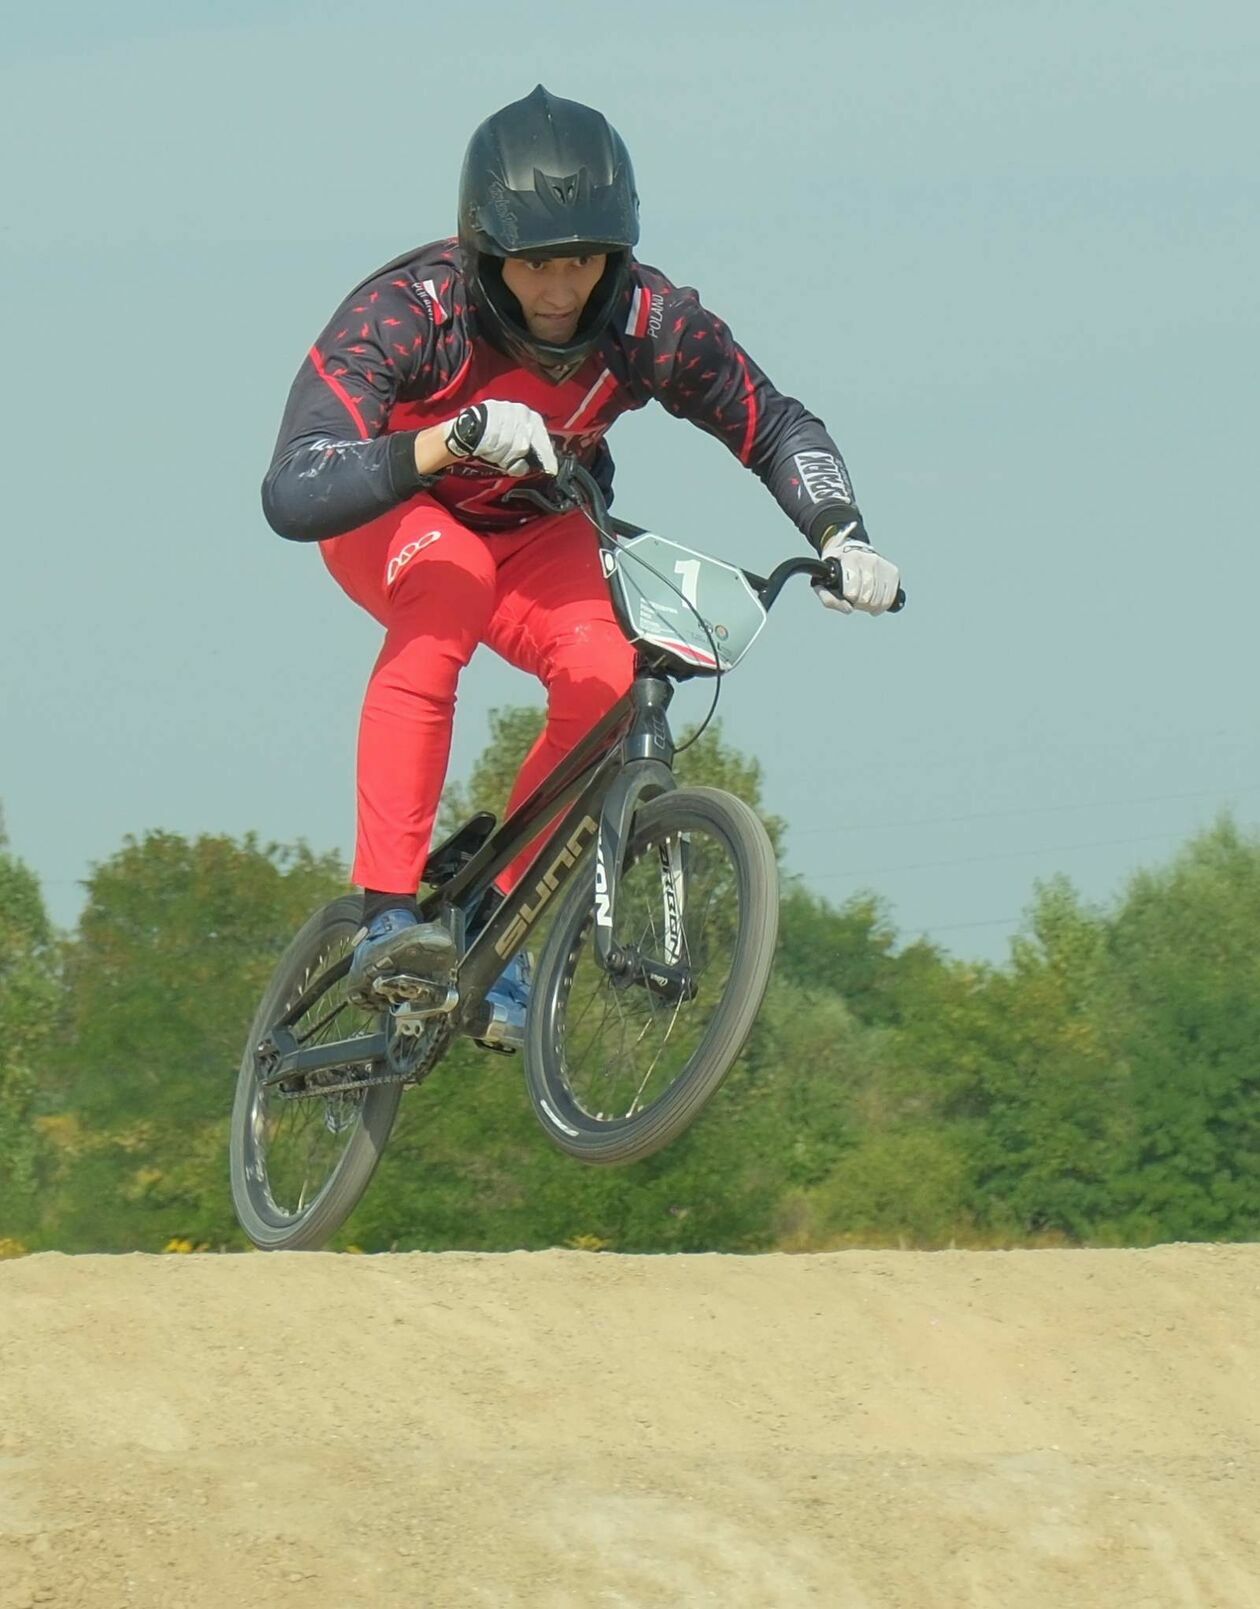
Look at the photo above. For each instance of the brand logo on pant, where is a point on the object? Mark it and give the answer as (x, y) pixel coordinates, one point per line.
(405, 555)
(546, 886)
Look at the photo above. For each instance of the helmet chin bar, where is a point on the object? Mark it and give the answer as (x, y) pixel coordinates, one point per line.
(509, 330)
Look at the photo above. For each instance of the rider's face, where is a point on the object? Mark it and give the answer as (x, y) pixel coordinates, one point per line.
(552, 292)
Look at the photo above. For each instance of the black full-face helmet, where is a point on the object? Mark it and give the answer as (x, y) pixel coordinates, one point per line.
(545, 177)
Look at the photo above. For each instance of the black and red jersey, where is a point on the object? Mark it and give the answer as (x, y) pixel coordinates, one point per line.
(403, 352)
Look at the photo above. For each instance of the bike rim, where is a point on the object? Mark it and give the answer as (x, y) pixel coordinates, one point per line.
(622, 1048)
(295, 1144)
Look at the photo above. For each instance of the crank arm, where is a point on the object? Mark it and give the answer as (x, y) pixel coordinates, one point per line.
(289, 1059)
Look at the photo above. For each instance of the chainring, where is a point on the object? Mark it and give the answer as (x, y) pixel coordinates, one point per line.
(409, 1056)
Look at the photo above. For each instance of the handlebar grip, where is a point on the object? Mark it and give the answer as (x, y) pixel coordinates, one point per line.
(833, 581)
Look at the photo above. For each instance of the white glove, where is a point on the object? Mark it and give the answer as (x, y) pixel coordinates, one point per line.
(508, 435)
(870, 581)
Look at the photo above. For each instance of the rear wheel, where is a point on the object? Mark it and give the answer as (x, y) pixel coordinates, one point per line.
(300, 1160)
(619, 1065)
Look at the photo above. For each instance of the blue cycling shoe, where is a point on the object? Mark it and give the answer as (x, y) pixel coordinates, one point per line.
(396, 947)
(501, 1021)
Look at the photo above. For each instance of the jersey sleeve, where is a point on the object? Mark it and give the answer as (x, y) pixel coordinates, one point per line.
(333, 468)
(701, 373)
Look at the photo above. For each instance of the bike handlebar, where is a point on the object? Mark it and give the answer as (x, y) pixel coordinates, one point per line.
(577, 488)
(826, 572)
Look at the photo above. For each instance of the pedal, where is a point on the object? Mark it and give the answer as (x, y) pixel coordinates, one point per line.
(494, 1030)
(404, 988)
(412, 1017)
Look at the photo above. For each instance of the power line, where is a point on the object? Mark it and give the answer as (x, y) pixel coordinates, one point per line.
(952, 927)
(1019, 810)
(976, 860)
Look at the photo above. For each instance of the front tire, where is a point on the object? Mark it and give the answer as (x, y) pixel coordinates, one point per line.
(616, 1070)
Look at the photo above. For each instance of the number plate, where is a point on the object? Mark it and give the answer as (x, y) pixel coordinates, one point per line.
(699, 611)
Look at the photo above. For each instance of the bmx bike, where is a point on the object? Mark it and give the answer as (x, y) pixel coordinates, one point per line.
(661, 908)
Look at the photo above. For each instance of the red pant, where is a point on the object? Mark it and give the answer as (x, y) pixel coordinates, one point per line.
(537, 597)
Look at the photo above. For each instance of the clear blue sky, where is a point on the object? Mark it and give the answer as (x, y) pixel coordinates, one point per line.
(1008, 252)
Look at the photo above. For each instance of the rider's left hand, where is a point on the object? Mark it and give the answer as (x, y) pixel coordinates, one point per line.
(870, 580)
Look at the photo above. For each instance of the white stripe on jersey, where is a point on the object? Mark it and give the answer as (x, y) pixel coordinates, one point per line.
(587, 400)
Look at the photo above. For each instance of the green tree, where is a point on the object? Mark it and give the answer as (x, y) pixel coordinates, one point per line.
(174, 948)
(1053, 1093)
(895, 1187)
(849, 950)
(1000, 1101)
(906, 1177)
(29, 999)
(1184, 961)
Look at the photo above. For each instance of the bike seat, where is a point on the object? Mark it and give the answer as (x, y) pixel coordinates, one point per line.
(454, 853)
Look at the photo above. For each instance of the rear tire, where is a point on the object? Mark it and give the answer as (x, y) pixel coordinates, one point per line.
(278, 1206)
(558, 1031)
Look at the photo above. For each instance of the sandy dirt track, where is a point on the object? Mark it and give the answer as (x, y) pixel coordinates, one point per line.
(877, 1430)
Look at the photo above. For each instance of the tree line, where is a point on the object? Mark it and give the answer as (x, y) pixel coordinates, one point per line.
(1102, 1087)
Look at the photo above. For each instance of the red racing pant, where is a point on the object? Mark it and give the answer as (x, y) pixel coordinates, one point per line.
(536, 596)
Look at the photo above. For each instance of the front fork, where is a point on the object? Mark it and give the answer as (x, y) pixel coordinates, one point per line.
(647, 773)
(640, 781)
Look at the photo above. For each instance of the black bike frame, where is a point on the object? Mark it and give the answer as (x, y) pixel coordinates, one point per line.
(624, 761)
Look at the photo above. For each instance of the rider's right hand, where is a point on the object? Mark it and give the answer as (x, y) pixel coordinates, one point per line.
(508, 435)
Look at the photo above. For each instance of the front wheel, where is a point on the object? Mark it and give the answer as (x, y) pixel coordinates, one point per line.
(618, 1064)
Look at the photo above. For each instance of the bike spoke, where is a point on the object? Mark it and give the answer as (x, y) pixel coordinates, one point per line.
(623, 1044)
(299, 1137)
(322, 1023)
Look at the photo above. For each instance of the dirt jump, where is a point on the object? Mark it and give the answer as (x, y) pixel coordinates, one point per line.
(861, 1430)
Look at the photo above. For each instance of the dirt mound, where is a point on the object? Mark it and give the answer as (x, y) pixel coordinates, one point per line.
(1013, 1429)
